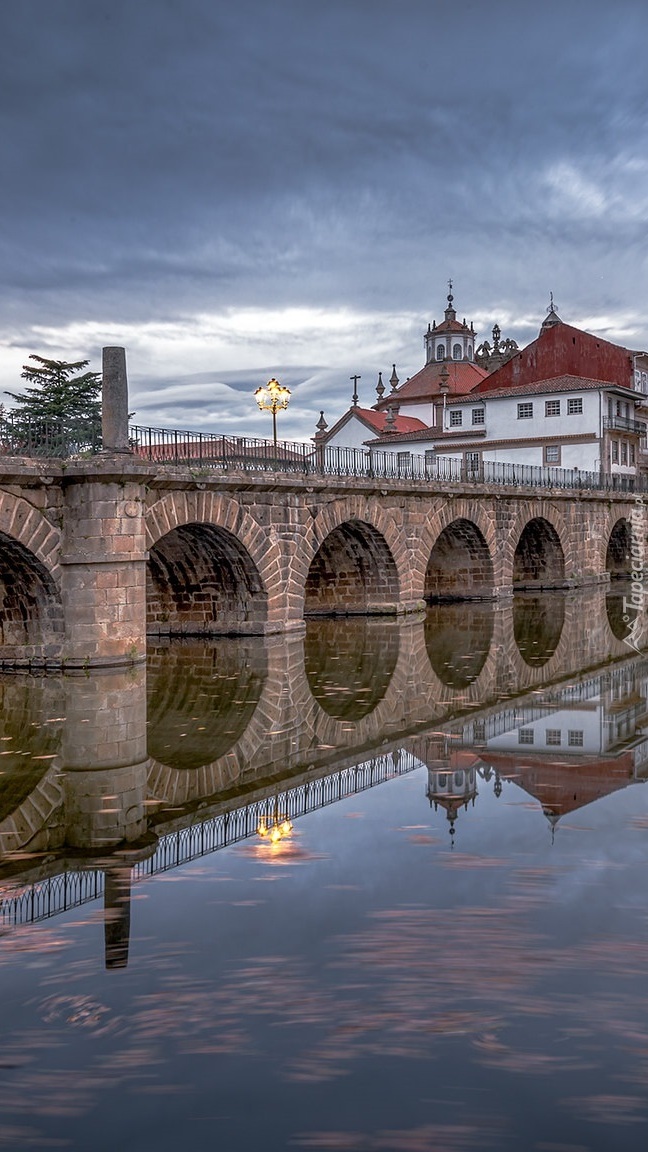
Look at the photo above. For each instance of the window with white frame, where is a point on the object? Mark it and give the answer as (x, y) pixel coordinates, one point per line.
(478, 415)
(525, 411)
(440, 351)
(430, 457)
(575, 737)
(552, 454)
(632, 454)
(575, 406)
(457, 352)
(552, 407)
(553, 737)
(456, 419)
(624, 452)
(525, 736)
(615, 451)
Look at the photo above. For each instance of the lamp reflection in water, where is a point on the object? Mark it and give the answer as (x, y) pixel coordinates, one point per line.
(274, 826)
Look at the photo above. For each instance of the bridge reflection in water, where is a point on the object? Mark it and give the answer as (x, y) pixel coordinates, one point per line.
(110, 778)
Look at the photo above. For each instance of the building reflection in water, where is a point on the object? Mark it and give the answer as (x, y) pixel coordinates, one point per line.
(566, 747)
(110, 777)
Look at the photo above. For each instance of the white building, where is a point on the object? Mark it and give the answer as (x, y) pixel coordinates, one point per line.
(568, 400)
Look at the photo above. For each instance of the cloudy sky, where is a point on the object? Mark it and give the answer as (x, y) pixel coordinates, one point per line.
(234, 190)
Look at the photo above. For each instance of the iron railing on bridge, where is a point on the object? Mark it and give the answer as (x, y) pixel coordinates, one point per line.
(231, 453)
(53, 438)
(226, 453)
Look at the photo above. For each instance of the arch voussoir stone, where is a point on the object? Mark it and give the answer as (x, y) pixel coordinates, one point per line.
(30, 528)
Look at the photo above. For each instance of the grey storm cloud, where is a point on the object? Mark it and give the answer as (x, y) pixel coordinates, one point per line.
(163, 162)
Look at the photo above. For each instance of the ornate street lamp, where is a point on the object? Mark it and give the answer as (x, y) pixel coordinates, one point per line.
(270, 398)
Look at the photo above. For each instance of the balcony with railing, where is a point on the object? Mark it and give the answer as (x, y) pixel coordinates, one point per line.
(625, 424)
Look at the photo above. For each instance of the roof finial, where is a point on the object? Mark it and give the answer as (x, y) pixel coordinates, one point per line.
(355, 389)
(552, 316)
(380, 387)
(450, 313)
(321, 424)
(393, 379)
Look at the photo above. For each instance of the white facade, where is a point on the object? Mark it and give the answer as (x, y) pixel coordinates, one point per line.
(590, 429)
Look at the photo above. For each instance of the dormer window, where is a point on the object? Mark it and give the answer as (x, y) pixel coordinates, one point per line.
(440, 351)
(457, 352)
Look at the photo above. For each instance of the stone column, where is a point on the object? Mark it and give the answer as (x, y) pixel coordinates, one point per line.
(114, 401)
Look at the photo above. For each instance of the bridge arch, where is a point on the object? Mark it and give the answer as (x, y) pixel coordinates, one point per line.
(201, 698)
(208, 569)
(31, 611)
(455, 532)
(460, 565)
(352, 571)
(538, 624)
(458, 640)
(538, 559)
(349, 664)
(619, 548)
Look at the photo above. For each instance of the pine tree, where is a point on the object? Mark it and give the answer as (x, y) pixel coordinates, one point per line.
(59, 413)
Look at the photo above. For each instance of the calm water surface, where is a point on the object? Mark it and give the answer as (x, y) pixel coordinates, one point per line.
(447, 951)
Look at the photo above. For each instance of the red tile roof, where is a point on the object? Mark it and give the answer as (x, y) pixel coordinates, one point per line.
(401, 423)
(451, 326)
(463, 376)
(375, 421)
(557, 384)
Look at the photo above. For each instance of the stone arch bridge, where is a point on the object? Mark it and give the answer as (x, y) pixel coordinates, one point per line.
(96, 554)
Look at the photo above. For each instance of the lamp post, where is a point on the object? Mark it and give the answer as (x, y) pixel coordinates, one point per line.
(270, 398)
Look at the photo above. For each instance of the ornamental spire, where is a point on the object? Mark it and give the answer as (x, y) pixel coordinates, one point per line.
(450, 313)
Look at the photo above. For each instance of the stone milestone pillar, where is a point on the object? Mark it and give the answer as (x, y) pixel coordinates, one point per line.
(103, 557)
(114, 401)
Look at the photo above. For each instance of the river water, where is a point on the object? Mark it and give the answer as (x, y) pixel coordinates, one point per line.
(379, 887)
